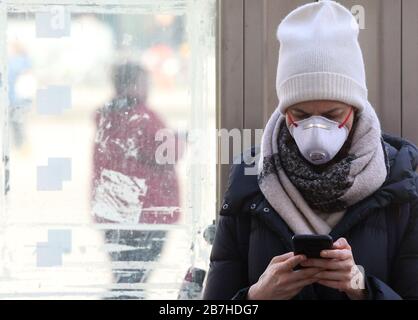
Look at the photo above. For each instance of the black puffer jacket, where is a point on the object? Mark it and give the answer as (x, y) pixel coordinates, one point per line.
(382, 231)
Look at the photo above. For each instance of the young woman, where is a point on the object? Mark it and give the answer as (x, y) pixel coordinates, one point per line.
(324, 168)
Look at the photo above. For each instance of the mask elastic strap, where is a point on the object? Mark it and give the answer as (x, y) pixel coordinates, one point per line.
(291, 120)
(346, 118)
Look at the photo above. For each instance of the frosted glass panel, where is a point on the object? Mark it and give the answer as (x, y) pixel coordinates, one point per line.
(109, 158)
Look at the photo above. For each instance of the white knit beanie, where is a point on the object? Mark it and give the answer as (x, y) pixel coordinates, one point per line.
(320, 57)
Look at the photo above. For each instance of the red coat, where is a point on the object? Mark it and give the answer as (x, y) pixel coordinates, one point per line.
(128, 184)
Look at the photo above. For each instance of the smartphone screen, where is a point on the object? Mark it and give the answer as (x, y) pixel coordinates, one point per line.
(311, 245)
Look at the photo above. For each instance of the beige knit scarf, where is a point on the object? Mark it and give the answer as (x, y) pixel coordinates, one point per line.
(367, 173)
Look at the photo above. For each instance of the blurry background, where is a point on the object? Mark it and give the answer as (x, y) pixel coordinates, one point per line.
(87, 211)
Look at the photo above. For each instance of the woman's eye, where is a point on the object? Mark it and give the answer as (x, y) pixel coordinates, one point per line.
(302, 116)
(333, 117)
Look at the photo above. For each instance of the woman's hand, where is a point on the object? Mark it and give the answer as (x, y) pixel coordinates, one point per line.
(339, 270)
(279, 281)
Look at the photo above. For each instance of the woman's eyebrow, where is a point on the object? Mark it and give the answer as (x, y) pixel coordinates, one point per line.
(299, 110)
(332, 110)
(325, 112)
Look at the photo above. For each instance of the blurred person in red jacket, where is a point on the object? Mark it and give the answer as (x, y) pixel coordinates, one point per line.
(129, 187)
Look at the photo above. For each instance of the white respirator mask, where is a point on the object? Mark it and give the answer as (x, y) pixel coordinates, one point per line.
(319, 139)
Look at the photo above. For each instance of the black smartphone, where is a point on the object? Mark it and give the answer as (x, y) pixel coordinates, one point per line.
(311, 245)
